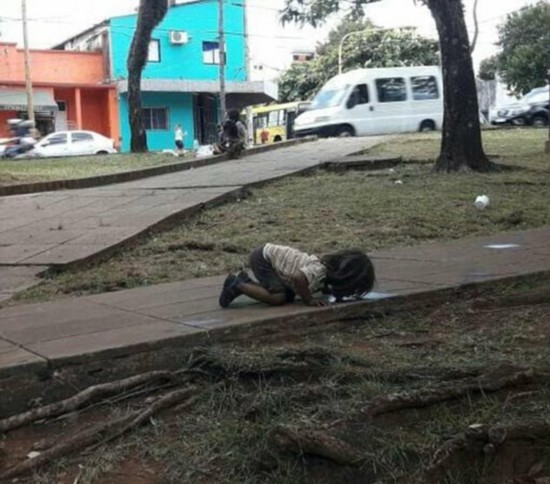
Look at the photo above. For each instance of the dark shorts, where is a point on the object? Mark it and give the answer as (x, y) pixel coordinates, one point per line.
(266, 275)
(179, 144)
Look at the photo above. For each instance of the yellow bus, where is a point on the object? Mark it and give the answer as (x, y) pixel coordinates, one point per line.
(275, 122)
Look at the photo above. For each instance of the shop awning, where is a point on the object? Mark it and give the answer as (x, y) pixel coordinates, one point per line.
(15, 99)
(239, 93)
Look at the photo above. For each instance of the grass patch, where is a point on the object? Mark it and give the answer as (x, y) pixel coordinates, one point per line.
(326, 211)
(323, 382)
(36, 170)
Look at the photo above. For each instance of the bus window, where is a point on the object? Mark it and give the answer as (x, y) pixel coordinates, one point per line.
(273, 119)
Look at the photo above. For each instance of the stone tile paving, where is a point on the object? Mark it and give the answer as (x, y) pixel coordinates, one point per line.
(64, 227)
(187, 312)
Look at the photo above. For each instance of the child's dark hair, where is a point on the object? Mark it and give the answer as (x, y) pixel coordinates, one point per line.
(349, 272)
(234, 115)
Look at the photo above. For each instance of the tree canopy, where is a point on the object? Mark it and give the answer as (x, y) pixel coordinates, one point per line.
(367, 47)
(524, 39)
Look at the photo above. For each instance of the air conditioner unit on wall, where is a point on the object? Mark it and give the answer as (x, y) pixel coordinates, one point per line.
(178, 37)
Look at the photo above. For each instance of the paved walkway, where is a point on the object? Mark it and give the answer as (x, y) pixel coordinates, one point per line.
(63, 227)
(51, 335)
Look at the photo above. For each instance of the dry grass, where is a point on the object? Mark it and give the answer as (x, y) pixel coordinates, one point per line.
(326, 211)
(225, 437)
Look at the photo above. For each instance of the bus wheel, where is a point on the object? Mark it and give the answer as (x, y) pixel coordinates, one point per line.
(345, 131)
(277, 139)
(427, 125)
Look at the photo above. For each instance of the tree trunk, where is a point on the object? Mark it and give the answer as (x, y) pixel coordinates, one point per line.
(461, 145)
(151, 12)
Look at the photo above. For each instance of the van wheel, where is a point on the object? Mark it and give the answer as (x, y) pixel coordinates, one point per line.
(277, 139)
(345, 131)
(102, 153)
(427, 125)
(539, 122)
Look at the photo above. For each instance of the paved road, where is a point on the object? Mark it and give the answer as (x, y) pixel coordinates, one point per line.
(58, 228)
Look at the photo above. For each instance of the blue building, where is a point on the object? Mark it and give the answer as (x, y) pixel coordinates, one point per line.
(180, 83)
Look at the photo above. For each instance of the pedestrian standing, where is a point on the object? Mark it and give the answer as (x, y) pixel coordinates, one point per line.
(179, 135)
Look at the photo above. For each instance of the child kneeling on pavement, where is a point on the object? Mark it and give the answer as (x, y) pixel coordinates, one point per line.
(284, 273)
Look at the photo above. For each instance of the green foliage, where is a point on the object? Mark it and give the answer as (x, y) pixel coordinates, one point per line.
(524, 39)
(372, 48)
(488, 68)
(314, 12)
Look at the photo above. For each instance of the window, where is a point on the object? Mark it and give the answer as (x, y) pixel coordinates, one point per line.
(79, 137)
(261, 121)
(276, 118)
(211, 52)
(424, 87)
(391, 89)
(359, 95)
(153, 55)
(155, 119)
(57, 139)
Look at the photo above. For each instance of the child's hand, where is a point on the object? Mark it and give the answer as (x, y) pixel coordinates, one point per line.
(317, 303)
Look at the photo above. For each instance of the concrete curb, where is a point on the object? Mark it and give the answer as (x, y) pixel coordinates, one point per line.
(126, 176)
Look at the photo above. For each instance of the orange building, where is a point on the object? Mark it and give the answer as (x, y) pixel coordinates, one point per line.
(72, 90)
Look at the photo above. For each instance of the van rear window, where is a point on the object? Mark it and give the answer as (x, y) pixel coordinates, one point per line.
(391, 89)
(424, 87)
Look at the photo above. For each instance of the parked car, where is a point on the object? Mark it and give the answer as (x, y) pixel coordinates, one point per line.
(73, 143)
(531, 110)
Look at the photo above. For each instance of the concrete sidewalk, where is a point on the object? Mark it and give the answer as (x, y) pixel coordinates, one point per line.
(42, 338)
(59, 228)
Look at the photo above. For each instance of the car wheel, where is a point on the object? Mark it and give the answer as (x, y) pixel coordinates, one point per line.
(345, 131)
(539, 122)
(427, 125)
(277, 139)
(102, 152)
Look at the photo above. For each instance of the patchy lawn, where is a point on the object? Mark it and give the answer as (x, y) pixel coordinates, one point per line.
(14, 172)
(454, 394)
(326, 211)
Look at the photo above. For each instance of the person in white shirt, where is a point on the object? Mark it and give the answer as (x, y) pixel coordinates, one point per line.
(179, 135)
(283, 273)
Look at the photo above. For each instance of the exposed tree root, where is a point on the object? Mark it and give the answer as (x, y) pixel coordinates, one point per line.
(483, 440)
(80, 399)
(101, 433)
(316, 443)
(490, 381)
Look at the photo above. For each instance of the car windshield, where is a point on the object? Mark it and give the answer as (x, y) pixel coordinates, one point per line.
(328, 98)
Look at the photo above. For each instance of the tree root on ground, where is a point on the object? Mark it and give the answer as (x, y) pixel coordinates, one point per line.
(101, 433)
(490, 381)
(315, 443)
(483, 440)
(80, 399)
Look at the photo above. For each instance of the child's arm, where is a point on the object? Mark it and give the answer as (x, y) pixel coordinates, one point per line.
(301, 287)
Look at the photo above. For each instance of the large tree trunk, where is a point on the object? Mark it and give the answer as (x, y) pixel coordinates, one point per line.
(461, 146)
(151, 12)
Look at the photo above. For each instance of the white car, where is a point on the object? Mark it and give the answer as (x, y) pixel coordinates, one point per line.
(73, 143)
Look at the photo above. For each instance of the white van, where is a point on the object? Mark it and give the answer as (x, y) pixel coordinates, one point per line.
(376, 101)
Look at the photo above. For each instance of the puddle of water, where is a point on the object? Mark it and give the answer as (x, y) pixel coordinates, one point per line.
(501, 246)
(371, 296)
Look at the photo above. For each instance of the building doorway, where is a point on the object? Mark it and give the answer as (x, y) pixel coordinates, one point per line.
(205, 118)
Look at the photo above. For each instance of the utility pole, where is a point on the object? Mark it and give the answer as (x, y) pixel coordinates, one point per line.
(249, 116)
(28, 79)
(223, 108)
